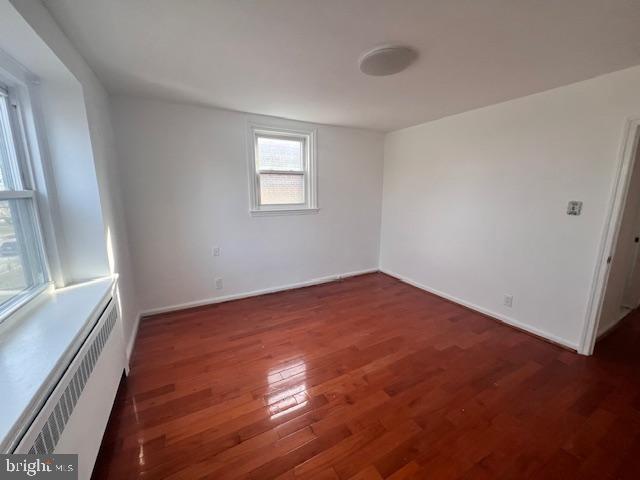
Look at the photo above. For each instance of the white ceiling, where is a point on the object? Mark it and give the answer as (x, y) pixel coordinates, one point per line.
(298, 58)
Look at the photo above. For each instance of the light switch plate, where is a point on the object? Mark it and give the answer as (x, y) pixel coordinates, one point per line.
(574, 207)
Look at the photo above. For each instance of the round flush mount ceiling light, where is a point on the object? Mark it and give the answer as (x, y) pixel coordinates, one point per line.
(387, 60)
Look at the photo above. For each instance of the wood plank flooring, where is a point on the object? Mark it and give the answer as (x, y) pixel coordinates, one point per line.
(369, 378)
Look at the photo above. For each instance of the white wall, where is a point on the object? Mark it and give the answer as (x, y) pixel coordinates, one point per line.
(92, 249)
(82, 250)
(185, 176)
(475, 204)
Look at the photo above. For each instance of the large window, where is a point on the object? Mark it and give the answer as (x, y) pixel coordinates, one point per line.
(282, 166)
(23, 271)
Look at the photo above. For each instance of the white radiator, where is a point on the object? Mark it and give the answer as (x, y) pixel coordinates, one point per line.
(74, 417)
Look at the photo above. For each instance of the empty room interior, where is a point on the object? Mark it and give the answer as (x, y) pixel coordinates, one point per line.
(320, 239)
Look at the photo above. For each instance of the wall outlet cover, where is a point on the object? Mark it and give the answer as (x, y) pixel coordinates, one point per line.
(574, 207)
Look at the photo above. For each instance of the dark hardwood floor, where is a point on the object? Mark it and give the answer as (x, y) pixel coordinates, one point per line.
(369, 378)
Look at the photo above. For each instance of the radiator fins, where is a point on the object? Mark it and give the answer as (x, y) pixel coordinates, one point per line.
(48, 437)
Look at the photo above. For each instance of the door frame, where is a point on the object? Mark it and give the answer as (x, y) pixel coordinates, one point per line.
(613, 220)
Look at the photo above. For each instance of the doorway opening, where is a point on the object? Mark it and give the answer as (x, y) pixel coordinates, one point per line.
(616, 290)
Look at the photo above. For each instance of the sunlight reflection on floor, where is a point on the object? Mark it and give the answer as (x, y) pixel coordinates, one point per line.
(290, 398)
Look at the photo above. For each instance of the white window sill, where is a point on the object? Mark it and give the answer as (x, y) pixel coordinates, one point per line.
(283, 211)
(24, 301)
(36, 345)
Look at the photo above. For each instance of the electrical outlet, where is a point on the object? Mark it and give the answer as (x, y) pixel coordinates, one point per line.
(574, 207)
(216, 251)
(218, 284)
(508, 301)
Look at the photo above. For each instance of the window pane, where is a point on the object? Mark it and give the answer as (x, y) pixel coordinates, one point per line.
(280, 154)
(278, 189)
(20, 257)
(8, 157)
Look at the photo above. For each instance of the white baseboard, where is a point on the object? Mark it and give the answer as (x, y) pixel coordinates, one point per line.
(254, 293)
(484, 311)
(132, 340)
(609, 328)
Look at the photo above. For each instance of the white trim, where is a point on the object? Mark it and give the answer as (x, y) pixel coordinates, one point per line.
(15, 194)
(22, 87)
(283, 172)
(254, 293)
(317, 281)
(498, 316)
(611, 327)
(43, 180)
(620, 189)
(34, 257)
(132, 341)
(310, 169)
(282, 211)
(19, 302)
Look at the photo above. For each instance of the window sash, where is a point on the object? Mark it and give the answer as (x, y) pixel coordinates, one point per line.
(15, 194)
(260, 192)
(282, 172)
(290, 137)
(307, 174)
(28, 255)
(10, 143)
(21, 199)
(303, 140)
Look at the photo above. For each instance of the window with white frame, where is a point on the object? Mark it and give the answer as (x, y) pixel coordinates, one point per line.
(23, 268)
(282, 168)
